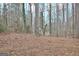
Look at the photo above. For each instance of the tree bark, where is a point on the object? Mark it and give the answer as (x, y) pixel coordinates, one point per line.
(24, 17)
(57, 12)
(73, 18)
(50, 27)
(5, 14)
(36, 18)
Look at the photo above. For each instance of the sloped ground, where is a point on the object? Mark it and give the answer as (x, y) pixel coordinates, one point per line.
(27, 44)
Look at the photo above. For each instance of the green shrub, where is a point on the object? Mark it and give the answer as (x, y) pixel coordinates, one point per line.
(1, 28)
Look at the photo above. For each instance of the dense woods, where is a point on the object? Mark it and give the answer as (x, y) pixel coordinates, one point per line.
(54, 19)
(39, 29)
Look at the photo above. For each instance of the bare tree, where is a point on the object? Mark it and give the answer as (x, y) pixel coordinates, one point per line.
(5, 13)
(41, 15)
(43, 27)
(24, 17)
(67, 15)
(50, 27)
(64, 23)
(57, 11)
(73, 18)
(31, 12)
(77, 19)
(36, 18)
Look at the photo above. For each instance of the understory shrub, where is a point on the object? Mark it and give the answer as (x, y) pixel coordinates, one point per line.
(1, 28)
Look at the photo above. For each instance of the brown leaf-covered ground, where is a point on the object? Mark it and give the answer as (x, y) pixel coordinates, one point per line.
(27, 44)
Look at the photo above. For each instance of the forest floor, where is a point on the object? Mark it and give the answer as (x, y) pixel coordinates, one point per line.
(27, 44)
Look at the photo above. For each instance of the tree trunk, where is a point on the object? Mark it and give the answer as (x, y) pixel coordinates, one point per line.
(36, 18)
(77, 19)
(30, 13)
(63, 23)
(5, 14)
(67, 19)
(50, 27)
(24, 17)
(57, 12)
(73, 19)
